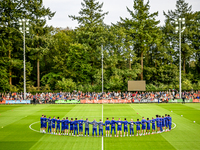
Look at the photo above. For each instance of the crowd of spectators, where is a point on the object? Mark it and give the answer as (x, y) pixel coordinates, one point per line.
(48, 96)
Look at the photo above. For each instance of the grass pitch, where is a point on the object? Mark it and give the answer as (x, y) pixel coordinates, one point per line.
(16, 134)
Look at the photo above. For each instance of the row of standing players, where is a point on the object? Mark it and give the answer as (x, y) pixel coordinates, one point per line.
(159, 124)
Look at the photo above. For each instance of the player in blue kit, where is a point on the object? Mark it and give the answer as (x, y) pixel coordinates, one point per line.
(94, 123)
(163, 123)
(143, 125)
(44, 124)
(157, 123)
(101, 124)
(148, 126)
(63, 126)
(49, 125)
(169, 122)
(160, 124)
(119, 127)
(53, 124)
(125, 122)
(131, 127)
(87, 126)
(58, 125)
(112, 126)
(138, 127)
(80, 122)
(71, 126)
(41, 123)
(107, 124)
(153, 121)
(75, 127)
(66, 125)
(166, 122)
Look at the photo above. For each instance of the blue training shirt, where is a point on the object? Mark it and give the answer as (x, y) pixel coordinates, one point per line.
(153, 121)
(107, 123)
(63, 123)
(49, 122)
(58, 122)
(75, 123)
(163, 121)
(71, 123)
(80, 122)
(166, 120)
(143, 122)
(53, 121)
(148, 123)
(160, 121)
(66, 122)
(138, 123)
(44, 121)
(125, 123)
(41, 120)
(112, 123)
(119, 123)
(170, 120)
(157, 121)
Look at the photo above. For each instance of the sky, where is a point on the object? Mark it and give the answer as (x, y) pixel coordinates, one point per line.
(116, 9)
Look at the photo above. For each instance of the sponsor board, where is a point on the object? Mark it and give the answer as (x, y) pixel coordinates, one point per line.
(67, 102)
(105, 101)
(18, 101)
(196, 100)
(180, 100)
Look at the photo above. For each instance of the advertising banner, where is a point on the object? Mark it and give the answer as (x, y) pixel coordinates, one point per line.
(196, 100)
(2, 101)
(18, 101)
(67, 102)
(105, 101)
(180, 100)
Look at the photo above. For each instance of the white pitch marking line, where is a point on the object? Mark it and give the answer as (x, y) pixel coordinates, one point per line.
(174, 125)
(102, 121)
(32, 128)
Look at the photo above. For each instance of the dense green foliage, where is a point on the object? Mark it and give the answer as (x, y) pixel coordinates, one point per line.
(135, 48)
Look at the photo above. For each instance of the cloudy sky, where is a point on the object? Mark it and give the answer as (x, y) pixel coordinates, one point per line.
(116, 8)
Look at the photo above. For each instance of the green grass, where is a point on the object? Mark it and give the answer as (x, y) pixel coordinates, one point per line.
(16, 134)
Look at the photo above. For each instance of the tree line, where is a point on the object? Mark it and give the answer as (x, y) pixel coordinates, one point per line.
(135, 48)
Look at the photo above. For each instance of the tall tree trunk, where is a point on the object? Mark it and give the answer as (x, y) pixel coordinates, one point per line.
(141, 75)
(10, 68)
(184, 66)
(38, 73)
(129, 63)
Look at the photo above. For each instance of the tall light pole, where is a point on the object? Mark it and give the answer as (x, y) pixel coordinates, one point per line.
(179, 22)
(102, 65)
(24, 29)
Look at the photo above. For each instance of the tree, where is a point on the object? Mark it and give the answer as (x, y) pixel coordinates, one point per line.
(142, 28)
(195, 35)
(183, 10)
(91, 32)
(12, 43)
(40, 32)
(121, 63)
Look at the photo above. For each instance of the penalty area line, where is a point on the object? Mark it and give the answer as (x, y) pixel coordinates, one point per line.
(32, 128)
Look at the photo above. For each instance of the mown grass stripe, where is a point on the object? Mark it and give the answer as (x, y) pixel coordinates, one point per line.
(69, 142)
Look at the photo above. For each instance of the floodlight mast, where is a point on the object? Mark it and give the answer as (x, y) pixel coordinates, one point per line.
(102, 66)
(23, 29)
(179, 22)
